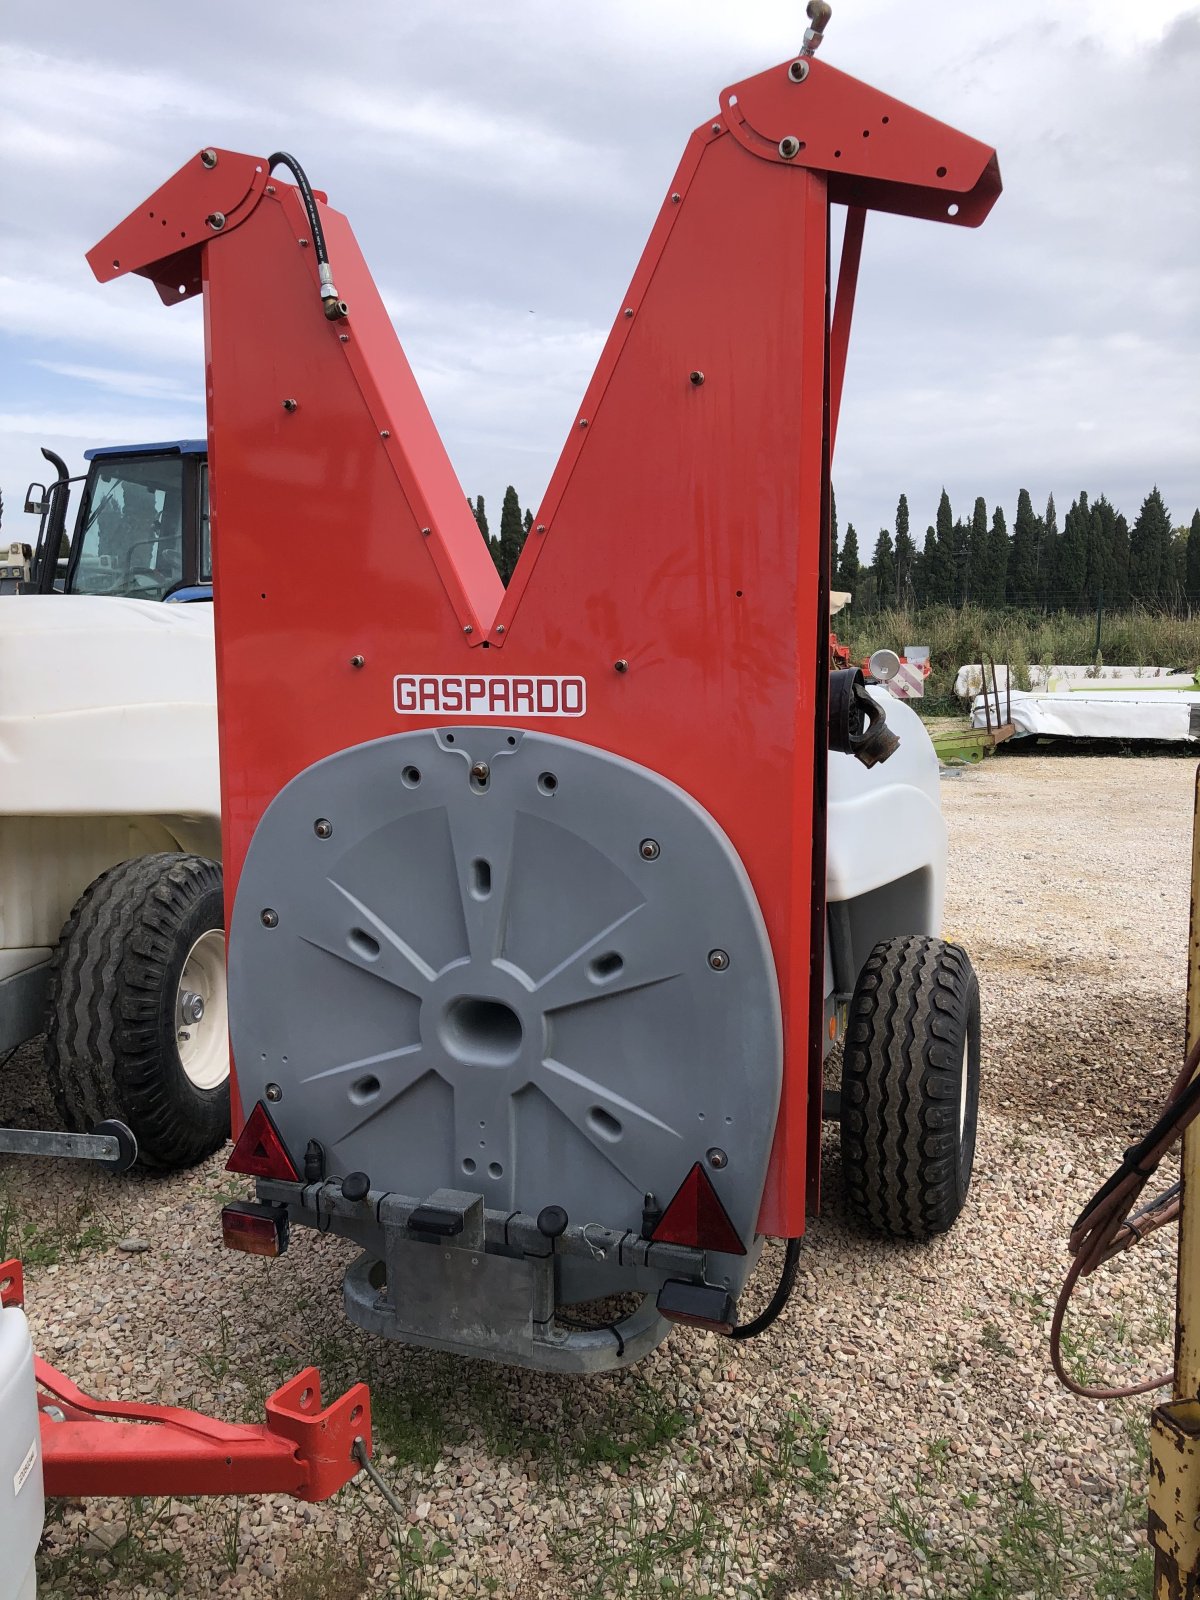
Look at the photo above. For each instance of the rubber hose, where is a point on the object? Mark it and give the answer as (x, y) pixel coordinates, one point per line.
(783, 1293)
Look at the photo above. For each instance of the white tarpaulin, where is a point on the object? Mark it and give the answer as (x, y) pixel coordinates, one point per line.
(1087, 711)
(969, 680)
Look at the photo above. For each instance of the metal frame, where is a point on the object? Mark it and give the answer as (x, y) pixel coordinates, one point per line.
(114, 1447)
(1174, 1515)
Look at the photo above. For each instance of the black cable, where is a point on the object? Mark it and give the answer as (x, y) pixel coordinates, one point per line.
(783, 1293)
(282, 159)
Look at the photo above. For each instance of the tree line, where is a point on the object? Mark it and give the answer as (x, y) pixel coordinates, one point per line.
(514, 529)
(1094, 558)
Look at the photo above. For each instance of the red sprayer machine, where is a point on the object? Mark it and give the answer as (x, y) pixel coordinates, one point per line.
(545, 905)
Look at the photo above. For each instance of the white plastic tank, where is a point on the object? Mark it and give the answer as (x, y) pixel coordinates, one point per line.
(22, 1502)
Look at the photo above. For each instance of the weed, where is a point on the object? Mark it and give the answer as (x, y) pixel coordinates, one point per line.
(67, 1232)
(321, 1571)
(992, 1339)
(417, 1556)
(938, 1451)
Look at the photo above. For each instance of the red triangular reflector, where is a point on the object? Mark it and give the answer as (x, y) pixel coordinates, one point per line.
(260, 1152)
(696, 1217)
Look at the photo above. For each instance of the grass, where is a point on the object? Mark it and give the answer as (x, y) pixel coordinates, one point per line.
(957, 634)
(67, 1229)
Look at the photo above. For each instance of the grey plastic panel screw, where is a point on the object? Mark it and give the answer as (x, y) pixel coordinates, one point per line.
(718, 960)
(323, 828)
(274, 1092)
(269, 918)
(717, 1158)
(649, 850)
(481, 772)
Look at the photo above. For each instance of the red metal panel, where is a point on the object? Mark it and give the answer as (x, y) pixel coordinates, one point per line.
(676, 562)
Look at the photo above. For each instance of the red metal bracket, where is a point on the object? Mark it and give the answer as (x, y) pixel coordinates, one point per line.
(117, 1447)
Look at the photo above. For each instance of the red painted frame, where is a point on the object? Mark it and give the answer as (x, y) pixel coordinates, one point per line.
(115, 1447)
(683, 534)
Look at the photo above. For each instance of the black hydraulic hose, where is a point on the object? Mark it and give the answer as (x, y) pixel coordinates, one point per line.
(334, 308)
(783, 1293)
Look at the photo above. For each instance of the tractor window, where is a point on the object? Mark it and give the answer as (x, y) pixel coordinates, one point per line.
(131, 539)
(204, 571)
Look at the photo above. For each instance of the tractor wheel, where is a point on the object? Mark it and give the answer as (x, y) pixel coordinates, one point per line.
(910, 1087)
(137, 1028)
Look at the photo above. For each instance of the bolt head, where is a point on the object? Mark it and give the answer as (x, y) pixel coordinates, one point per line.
(274, 1092)
(289, 405)
(718, 960)
(789, 147)
(216, 220)
(798, 71)
(208, 158)
(358, 661)
(541, 528)
(717, 1158)
(649, 850)
(269, 918)
(675, 199)
(467, 628)
(481, 772)
(628, 311)
(716, 127)
(499, 627)
(323, 828)
(621, 666)
(696, 377)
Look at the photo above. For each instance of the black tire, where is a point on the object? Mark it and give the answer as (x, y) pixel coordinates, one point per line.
(908, 1135)
(111, 1047)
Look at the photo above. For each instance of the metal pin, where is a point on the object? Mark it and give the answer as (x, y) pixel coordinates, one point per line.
(359, 1452)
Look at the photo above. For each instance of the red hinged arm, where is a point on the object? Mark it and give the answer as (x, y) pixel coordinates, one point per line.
(114, 1447)
(877, 152)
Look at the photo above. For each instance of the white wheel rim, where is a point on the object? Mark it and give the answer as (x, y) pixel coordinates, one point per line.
(202, 1013)
(962, 1094)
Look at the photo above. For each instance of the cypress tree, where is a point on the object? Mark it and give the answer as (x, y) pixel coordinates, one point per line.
(848, 567)
(945, 581)
(1071, 566)
(1047, 553)
(528, 522)
(1022, 557)
(927, 571)
(978, 556)
(997, 559)
(1118, 594)
(480, 516)
(1193, 559)
(512, 534)
(906, 555)
(884, 568)
(1100, 530)
(1149, 551)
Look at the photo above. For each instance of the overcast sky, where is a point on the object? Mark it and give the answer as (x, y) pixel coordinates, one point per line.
(502, 163)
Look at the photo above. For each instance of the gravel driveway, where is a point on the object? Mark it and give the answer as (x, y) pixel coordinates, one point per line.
(897, 1433)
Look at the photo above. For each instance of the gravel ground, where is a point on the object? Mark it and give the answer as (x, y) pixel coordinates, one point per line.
(898, 1432)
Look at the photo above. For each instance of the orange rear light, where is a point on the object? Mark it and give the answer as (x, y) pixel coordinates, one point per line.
(256, 1229)
(260, 1152)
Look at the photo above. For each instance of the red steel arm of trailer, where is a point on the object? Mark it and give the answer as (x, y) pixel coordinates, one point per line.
(679, 560)
(112, 1447)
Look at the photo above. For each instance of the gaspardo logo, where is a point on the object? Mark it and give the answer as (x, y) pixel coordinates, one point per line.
(417, 695)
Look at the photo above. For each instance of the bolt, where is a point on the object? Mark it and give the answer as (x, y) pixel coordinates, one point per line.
(425, 532)
(716, 127)
(649, 849)
(289, 405)
(499, 627)
(269, 918)
(717, 1158)
(274, 1092)
(208, 158)
(467, 628)
(323, 828)
(628, 311)
(583, 422)
(303, 243)
(621, 666)
(789, 147)
(216, 220)
(358, 661)
(718, 960)
(697, 378)
(385, 433)
(675, 199)
(191, 1007)
(798, 71)
(481, 772)
(270, 188)
(541, 528)
(344, 337)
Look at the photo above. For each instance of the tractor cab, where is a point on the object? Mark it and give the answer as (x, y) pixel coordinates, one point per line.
(142, 530)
